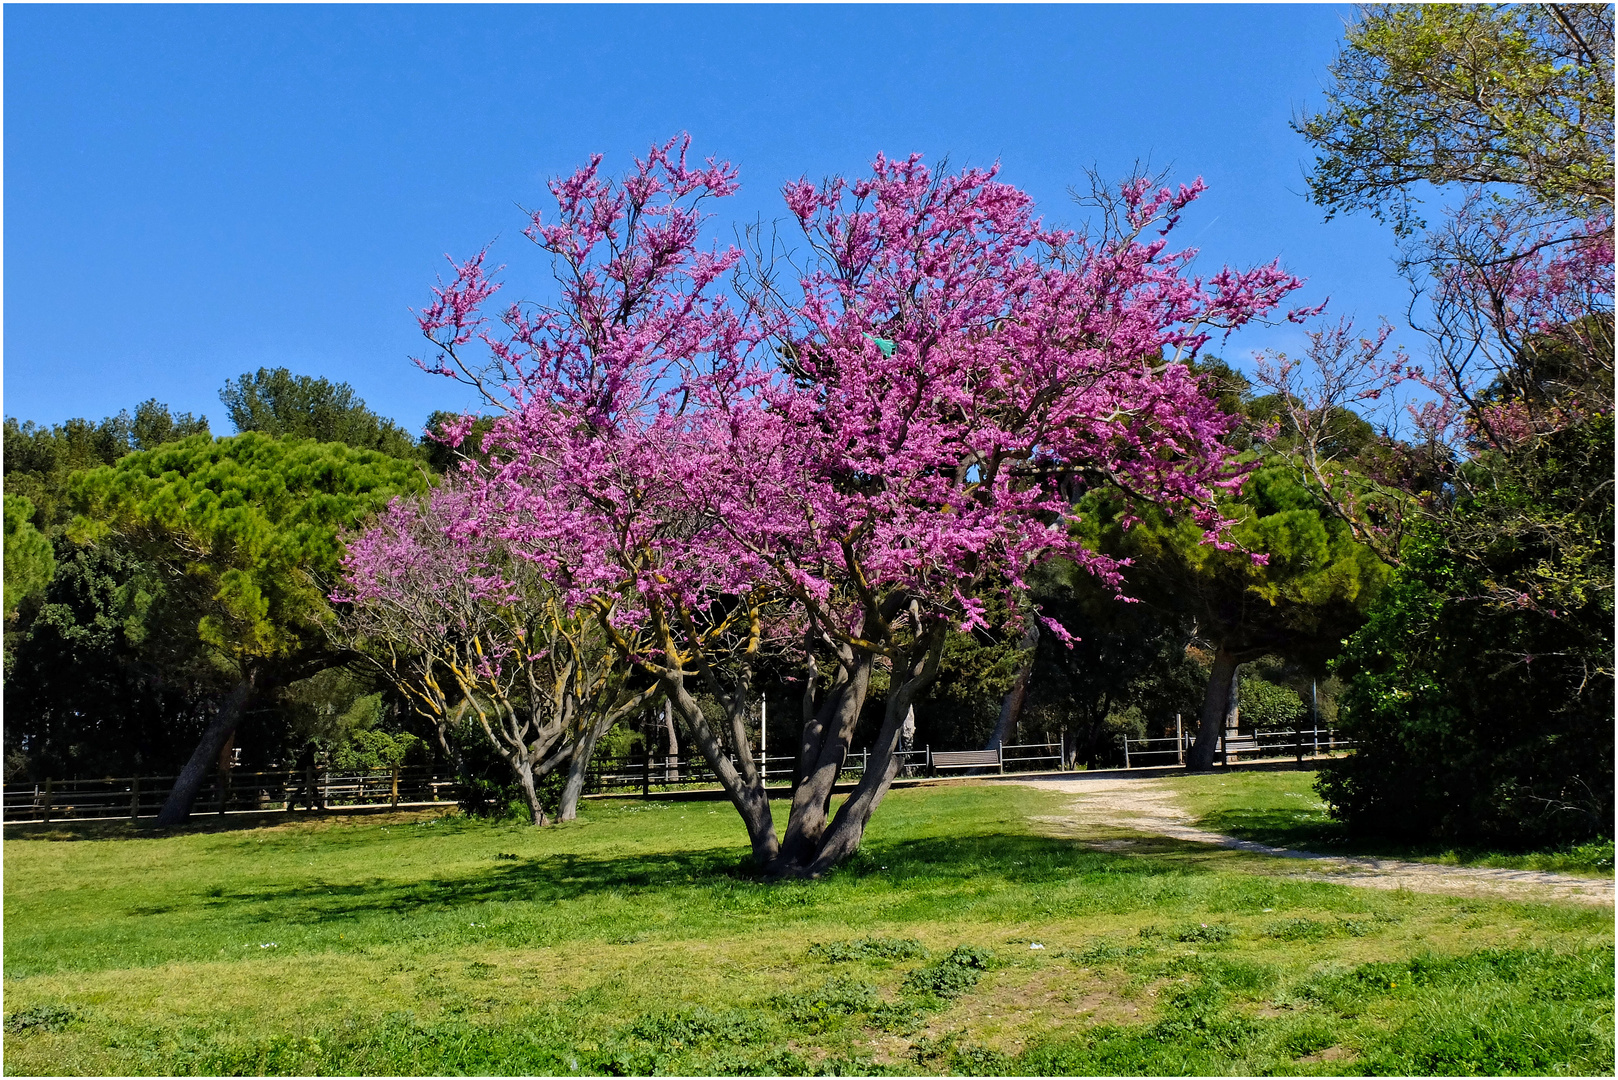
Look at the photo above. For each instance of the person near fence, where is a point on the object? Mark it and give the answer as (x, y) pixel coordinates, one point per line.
(907, 741)
(308, 790)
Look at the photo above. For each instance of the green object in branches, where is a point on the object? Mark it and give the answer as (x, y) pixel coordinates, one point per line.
(883, 343)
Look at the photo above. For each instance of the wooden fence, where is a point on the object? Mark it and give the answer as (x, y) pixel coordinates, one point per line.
(1296, 743)
(137, 797)
(233, 792)
(238, 792)
(661, 773)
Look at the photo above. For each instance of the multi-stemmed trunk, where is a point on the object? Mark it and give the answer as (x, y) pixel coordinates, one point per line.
(828, 731)
(814, 841)
(919, 666)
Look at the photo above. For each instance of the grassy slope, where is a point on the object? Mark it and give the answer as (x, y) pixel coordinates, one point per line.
(635, 941)
(1282, 809)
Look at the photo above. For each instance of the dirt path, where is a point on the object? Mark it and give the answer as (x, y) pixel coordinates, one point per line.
(1148, 806)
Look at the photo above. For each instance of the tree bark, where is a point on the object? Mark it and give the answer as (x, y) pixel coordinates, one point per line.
(530, 793)
(746, 792)
(825, 746)
(578, 770)
(177, 808)
(671, 766)
(1215, 703)
(1011, 704)
(843, 838)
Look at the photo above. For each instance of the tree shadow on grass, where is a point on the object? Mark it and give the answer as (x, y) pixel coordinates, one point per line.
(144, 829)
(1301, 831)
(725, 874)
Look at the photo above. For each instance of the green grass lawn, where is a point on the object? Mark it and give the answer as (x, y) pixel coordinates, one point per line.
(1282, 809)
(636, 940)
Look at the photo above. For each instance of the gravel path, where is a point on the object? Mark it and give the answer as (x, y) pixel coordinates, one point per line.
(1147, 806)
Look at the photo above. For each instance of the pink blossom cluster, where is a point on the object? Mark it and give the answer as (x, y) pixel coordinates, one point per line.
(911, 412)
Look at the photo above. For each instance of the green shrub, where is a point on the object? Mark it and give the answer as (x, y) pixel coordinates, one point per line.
(840, 996)
(1485, 722)
(837, 952)
(952, 976)
(49, 1017)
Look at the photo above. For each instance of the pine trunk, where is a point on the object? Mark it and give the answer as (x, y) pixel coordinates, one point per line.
(1215, 705)
(177, 808)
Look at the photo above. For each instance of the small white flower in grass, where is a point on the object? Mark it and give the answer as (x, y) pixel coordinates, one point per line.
(1268, 910)
(1036, 945)
(268, 945)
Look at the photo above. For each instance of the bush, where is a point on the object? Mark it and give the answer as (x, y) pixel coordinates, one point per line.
(835, 952)
(1481, 720)
(952, 976)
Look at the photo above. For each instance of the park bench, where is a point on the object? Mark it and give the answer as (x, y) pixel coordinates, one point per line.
(967, 759)
(1246, 744)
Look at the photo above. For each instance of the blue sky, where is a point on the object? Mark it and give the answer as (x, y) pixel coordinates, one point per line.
(195, 192)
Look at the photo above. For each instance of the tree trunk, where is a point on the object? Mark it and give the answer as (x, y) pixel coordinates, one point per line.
(1215, 703)
(530, 794)
(177, 808)
(746, 793)
(1233, 703)
(578, 769)
(671, 764)
(1011, 704)
(811, 847)
(843, 838)
(825, 746)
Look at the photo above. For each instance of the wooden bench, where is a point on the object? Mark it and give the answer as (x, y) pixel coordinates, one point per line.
(1245, 744)
(968, 759)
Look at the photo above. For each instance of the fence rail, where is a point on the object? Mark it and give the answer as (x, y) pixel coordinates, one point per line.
(143, 796)
(1296, 743)
(662, 773)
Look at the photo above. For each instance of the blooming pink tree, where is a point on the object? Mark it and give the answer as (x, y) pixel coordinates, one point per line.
(472, 636)
(853, 456)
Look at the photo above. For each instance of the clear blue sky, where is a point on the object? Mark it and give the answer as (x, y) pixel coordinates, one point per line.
(195, 192)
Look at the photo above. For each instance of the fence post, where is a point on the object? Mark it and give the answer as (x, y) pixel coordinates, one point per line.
(1000, 755)
(1179, 738)
(1126, 751)
(395, 787)
(134, 799)
(47, 799)
(1224, 749)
